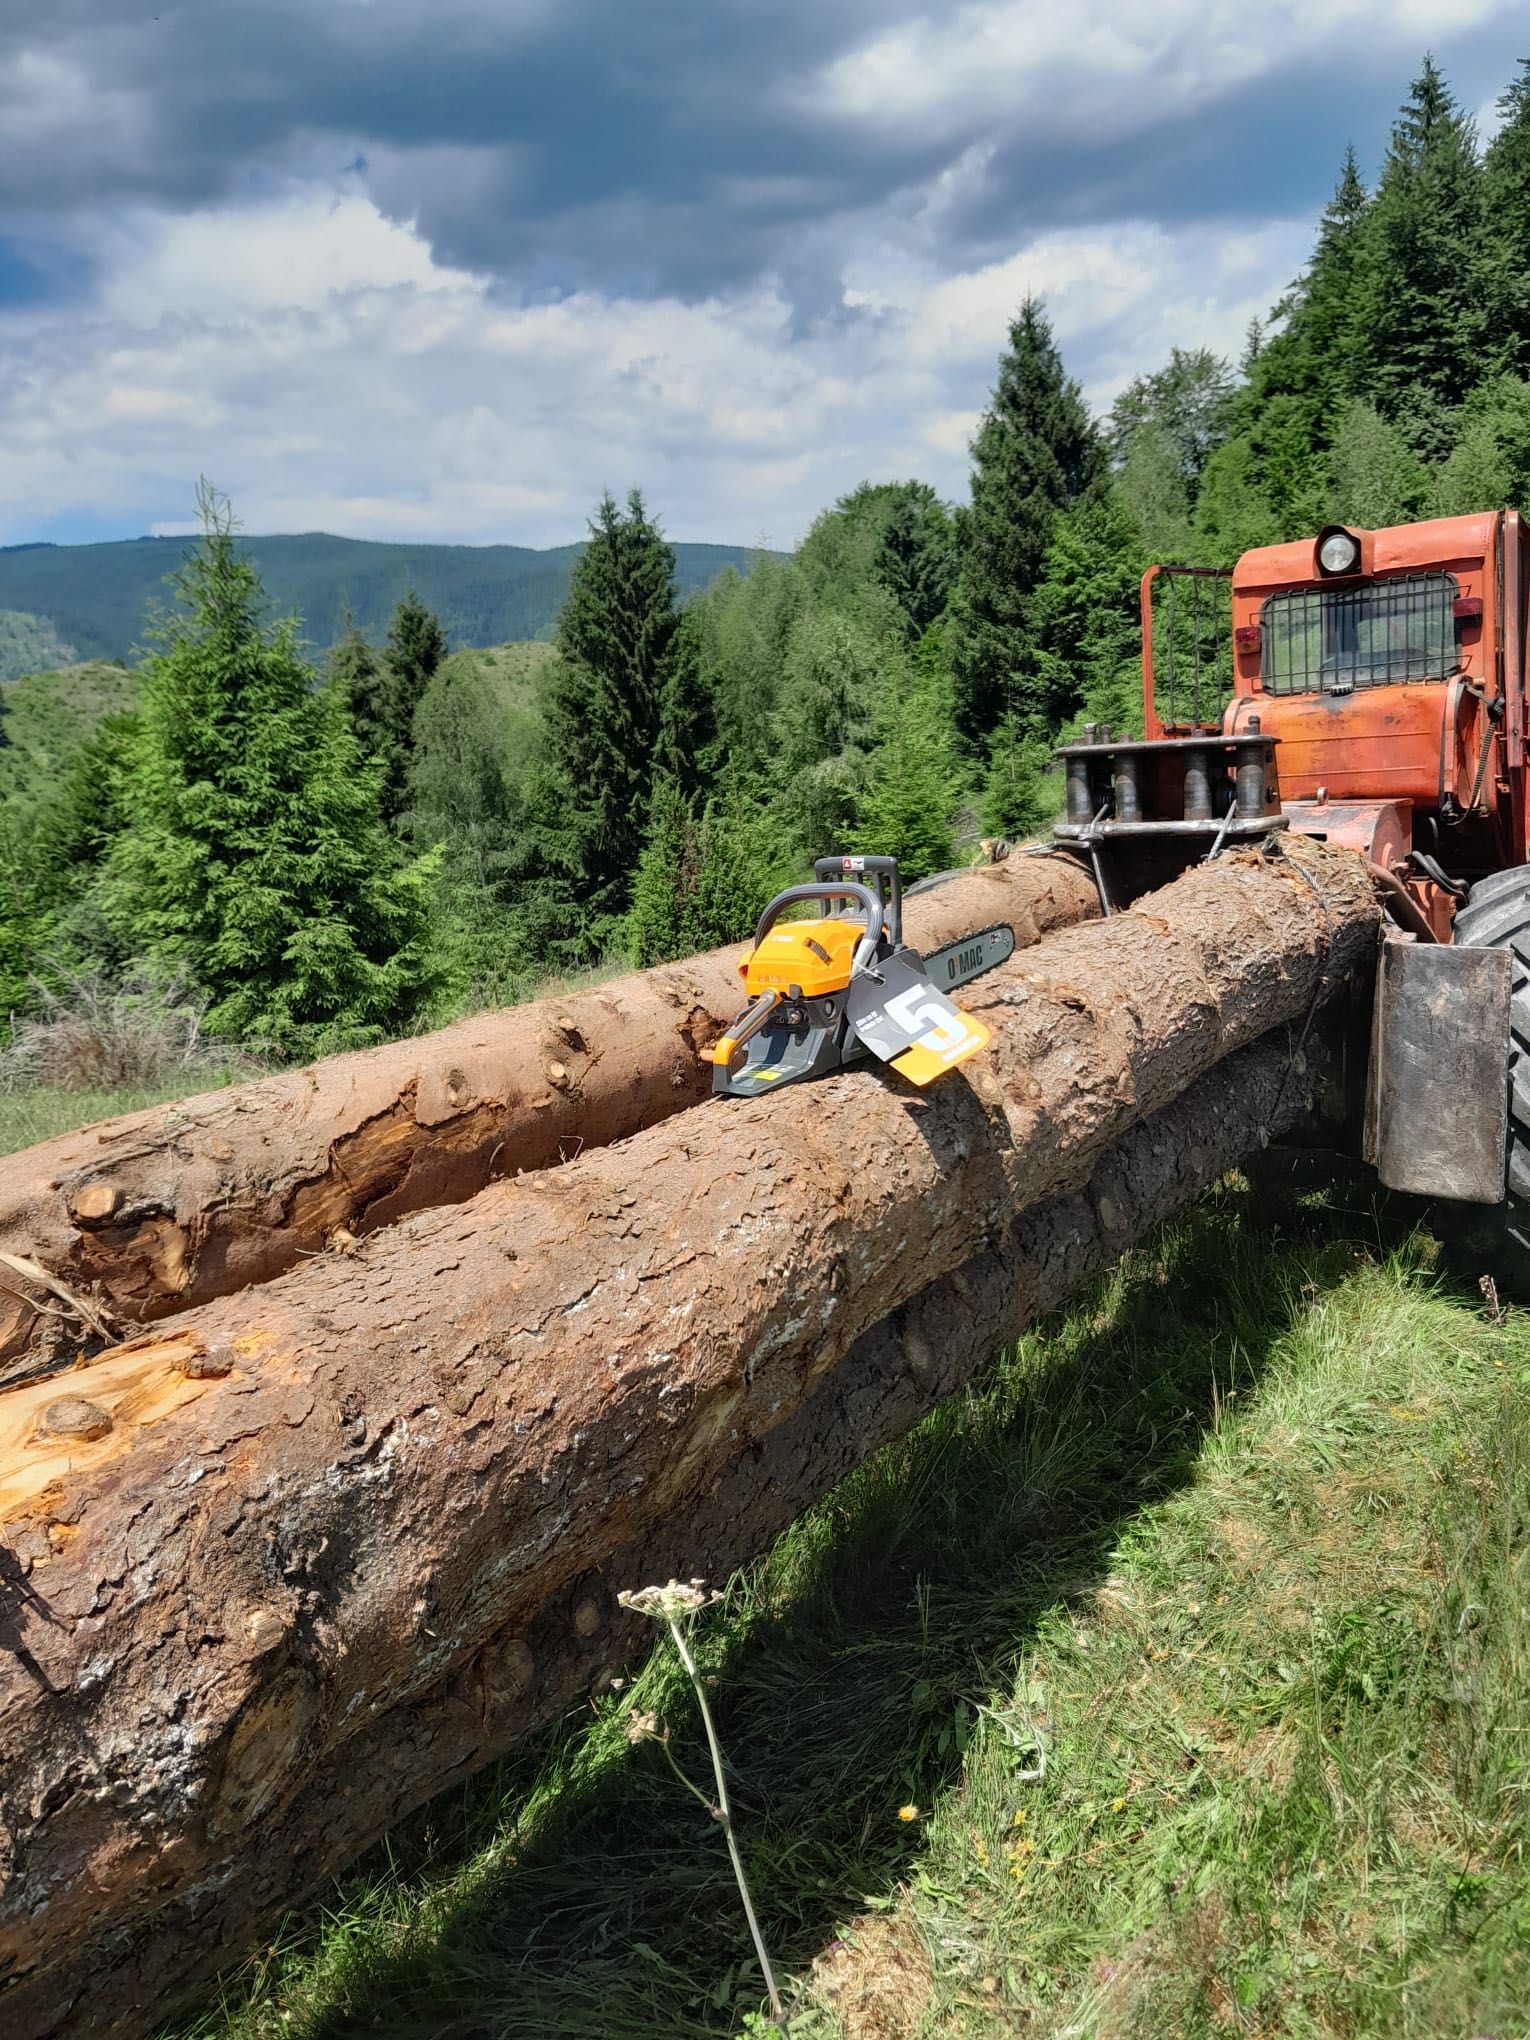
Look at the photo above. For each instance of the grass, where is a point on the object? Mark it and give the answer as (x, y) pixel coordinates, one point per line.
(38, 1111)
(1196, 1637)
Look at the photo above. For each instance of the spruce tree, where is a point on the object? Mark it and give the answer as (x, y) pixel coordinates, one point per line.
(1422, 299)
(906, 809)
(1506, 233)
(415, 648)
(253, 856)
(1035, 453)
(1087, 614)
(1317, 361)
(1022, 792)
(915, 559)
(615, 649)
(1374, 477)
(686, 750)
(662, 920)
(354, 670)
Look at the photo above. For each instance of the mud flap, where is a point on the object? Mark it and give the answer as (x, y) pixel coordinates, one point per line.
(1438, 1090)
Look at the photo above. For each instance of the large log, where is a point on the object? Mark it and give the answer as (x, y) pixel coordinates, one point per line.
(350, 1534)
(158, 1211)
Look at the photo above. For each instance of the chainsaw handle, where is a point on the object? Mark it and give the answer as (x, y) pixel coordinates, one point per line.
(839, 889)
(874, 867)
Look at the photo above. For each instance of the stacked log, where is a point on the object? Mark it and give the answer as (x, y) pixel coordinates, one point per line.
(283, 1570)
(158, 1211)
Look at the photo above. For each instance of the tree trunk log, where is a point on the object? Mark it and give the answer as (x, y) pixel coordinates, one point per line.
(160, 1210)
(349, 1535)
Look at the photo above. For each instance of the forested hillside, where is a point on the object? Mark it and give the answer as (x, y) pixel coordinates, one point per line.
(431, 829)
(91, 601)
(28, 644)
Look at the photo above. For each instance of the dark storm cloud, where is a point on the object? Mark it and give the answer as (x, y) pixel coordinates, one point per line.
(654, 144)
(631, 148)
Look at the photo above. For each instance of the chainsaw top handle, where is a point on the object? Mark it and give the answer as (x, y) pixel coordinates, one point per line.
(839, 889)
(885, 871)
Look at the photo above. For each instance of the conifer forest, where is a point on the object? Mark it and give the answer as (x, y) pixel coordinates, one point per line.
(324, 850)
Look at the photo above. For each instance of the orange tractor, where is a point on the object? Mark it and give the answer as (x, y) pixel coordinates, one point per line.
(1368, 687)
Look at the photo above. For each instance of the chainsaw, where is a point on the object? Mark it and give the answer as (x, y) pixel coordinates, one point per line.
(826, 992)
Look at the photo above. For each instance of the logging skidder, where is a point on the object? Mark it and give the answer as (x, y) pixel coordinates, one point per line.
(285, 1567)
(1367, 688)
(150, 1214)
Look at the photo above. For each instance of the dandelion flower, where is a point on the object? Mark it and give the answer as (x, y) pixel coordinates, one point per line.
(909, 1812)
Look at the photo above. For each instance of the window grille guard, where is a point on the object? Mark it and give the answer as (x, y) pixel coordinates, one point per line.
(1334, 639)
(1192, 645)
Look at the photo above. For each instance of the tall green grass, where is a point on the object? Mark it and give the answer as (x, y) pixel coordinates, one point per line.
(1196, 1638)
(40, 1111)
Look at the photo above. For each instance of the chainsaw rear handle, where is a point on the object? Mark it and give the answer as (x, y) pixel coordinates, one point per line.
(874, 867)
(840, 889)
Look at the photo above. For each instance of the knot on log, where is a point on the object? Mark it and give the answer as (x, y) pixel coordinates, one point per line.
(265, 1629)
(71, 1416)
(94, 1200)
(206, 1363)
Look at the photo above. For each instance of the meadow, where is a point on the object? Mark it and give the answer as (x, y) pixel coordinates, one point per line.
(1173, 1681)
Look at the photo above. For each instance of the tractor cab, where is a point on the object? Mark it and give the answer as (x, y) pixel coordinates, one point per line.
(1364, 686)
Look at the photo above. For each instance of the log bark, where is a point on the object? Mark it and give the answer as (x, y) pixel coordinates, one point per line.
(157, 1211)
(350, 1534)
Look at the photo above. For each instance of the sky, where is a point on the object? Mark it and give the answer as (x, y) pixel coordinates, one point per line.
(448, 271)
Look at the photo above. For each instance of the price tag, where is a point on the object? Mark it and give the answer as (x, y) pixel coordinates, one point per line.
(908, 1023)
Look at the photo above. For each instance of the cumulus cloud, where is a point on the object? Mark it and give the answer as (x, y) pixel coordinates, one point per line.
(656, 149)
(319, 362)
(448, 272)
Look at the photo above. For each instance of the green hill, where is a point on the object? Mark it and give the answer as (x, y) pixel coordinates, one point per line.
(47, 718)
(29, 644)
(92, 601)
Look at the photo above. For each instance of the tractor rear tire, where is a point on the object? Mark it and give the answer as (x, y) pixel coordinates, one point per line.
(1497, 916)
(1485, 892)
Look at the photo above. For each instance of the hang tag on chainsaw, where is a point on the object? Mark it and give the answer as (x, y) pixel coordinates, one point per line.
(902, 1018)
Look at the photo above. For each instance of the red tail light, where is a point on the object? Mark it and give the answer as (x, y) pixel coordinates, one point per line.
(1468, 608)
(1246, 637)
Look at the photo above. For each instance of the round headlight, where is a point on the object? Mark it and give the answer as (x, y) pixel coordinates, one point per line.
(1339, 553)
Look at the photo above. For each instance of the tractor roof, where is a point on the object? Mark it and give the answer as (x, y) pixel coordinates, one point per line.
(1394, 549)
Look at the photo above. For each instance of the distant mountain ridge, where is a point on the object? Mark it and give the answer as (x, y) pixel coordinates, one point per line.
(96, 598)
